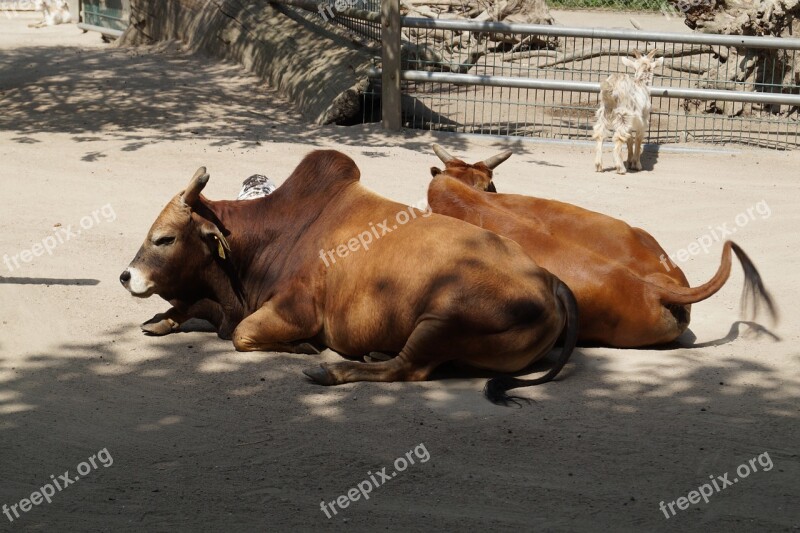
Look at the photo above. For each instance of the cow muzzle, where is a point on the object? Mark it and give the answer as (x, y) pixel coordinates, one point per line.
(136, 283)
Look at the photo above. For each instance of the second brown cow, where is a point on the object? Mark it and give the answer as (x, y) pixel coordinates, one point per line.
(628, 294)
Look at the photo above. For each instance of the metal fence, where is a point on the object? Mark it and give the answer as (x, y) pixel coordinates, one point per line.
(361, 17)
(542, 81)
(109, 17)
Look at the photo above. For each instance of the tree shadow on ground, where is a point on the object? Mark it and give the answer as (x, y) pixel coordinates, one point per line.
(142, 96)
(205, 437)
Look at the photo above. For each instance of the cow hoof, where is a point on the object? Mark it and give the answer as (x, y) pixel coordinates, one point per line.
(306, 348)
(158, 329)
(376, 357)
(320, 375)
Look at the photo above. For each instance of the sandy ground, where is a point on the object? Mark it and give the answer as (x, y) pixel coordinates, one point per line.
(206, 439)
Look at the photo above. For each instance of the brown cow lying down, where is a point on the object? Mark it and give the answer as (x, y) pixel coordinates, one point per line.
(429, 288)
(627, 294)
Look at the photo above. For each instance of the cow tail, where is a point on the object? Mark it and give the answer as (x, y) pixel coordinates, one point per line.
(754, 294)
(495, 389)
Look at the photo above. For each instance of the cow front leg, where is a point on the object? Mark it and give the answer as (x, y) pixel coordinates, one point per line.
(267, 331)
(171, 321)
(165, 323)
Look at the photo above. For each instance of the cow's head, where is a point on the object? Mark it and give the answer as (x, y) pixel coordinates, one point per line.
(180, 247)
(478, 175)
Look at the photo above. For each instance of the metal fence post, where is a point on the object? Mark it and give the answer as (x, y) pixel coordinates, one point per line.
(390, 51)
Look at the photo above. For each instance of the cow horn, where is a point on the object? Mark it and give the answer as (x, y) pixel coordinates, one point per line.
(192, 192)
(636, 53)
(495, 160)
(442, 154)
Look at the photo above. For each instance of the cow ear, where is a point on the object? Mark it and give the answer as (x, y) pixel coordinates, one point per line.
(216, 241)
(435, 171)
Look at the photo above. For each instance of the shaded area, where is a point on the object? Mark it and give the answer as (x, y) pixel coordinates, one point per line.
(143, 96)
(195, 421)
(48, 281)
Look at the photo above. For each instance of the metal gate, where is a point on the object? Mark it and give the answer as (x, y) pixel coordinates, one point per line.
(109, 17)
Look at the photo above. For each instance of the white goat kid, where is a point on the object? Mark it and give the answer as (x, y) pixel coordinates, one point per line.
(53, 12)
(625, 111)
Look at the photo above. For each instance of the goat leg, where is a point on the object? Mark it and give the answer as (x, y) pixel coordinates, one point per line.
(619, 141)
(637, 165)
(599, 133)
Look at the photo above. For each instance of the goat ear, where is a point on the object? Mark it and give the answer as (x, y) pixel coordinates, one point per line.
(658, 62)
(627, 62)
(435, 171)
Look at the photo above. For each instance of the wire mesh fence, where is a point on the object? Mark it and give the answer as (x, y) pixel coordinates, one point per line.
(367, 29)
(351, 15)
(563, 54)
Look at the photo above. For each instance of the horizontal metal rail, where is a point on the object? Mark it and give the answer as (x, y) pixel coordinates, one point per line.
(100, 29)
(321, 7)
(590, 87)
(96, 14)
(602, 33)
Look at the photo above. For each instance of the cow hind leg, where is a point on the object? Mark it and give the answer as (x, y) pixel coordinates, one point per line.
(415, 362)
(397, 369)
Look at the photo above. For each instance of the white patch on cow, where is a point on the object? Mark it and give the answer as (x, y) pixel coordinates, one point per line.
(256, 186)
(138, 284)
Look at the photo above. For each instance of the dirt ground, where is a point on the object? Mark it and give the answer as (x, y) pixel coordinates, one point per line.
(198, 437)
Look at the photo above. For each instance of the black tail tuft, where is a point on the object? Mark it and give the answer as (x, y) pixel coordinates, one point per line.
(754, 294)
(496, 388)
(495, 391)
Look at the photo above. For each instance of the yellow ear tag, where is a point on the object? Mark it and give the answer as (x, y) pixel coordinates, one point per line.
(220, 248)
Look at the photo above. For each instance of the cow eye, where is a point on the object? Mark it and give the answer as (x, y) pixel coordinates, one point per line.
(164, 241)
